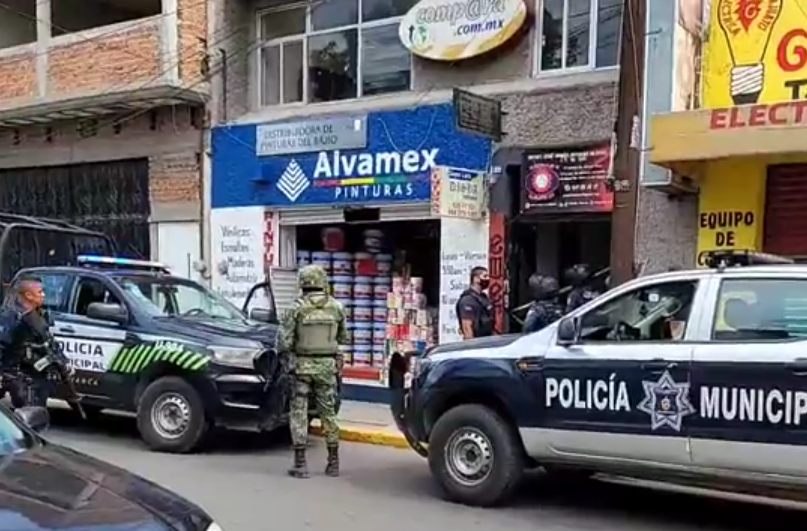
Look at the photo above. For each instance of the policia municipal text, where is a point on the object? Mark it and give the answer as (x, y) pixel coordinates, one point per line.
(29, 354)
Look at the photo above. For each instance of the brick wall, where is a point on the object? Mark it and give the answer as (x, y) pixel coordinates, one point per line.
(129, 57)
(192, 31)
(175, 178)
(17, 77)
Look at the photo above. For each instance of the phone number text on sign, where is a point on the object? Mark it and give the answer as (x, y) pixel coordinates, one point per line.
(462, 193)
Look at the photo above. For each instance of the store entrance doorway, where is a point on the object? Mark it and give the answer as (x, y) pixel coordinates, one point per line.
(552, 246)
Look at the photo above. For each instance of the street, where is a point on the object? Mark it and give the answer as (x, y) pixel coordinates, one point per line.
(242, 482)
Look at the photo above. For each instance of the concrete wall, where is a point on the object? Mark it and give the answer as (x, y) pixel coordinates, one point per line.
(666, 227)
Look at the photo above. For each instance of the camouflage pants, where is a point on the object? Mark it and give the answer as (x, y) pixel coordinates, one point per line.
(322, 387)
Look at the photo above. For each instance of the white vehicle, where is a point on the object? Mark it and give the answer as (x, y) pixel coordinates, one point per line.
(693, 377)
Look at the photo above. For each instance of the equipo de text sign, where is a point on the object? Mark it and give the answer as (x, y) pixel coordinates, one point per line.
(311, 135)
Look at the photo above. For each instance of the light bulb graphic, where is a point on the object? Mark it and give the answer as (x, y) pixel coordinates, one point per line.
(747, 25)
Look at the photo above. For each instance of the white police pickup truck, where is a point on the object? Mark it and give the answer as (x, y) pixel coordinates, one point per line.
(694, 377)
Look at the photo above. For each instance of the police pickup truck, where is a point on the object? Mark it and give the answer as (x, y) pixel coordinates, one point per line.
(692, 377)
(178, 355)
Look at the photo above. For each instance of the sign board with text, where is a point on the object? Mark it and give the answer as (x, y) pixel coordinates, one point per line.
(756, 53)
(311, 135)
(451, 30)
(462, 193)
(478, 115)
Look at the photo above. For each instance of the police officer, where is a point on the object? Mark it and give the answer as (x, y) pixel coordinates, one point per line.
(27, 348)
(310, 336)
(544, 309)
(578, 277)
(474, 310)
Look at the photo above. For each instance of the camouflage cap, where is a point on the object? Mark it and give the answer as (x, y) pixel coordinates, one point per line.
(313, 277)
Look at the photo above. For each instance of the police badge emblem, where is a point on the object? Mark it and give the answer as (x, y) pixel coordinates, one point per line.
(666, 401)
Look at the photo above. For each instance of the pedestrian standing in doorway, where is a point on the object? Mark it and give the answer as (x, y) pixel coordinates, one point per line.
(474, 310)
(310, 336)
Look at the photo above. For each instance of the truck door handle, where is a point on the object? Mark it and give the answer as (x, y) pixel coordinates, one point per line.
(535, 364)
(66, 330)
(658, 365)
(798, 366)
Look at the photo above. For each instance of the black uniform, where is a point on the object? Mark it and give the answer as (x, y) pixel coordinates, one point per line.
(475, 306)
(545, 309)
(580, 296)
(579, 277)
(27, 353)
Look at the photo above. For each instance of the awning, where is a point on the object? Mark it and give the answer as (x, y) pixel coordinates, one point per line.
(97, 105)
(680, 140)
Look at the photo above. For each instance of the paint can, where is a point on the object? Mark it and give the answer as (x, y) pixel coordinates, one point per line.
(343, 264)
(362, 334)
(362, 311)
(322, 259)
(303, 258)
(383, 264)
(363, 288)
(362, 355)
(342, 287)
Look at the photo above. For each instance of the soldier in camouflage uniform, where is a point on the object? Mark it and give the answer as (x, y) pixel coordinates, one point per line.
(310, 335)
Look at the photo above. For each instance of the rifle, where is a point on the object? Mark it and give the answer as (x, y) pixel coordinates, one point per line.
(604, 272)
(55, 360)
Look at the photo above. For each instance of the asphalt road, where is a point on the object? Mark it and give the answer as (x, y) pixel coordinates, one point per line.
(242, 482)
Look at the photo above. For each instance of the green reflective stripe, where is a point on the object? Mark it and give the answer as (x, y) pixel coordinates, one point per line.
(183, 361)
(132, 358)
(175, 356)
(118, 358)
(145, 359)
(200, 363)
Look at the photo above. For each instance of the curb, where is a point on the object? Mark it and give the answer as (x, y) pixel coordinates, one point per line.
(365, 436)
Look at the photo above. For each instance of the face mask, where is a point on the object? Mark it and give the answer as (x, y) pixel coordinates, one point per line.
(484, 283)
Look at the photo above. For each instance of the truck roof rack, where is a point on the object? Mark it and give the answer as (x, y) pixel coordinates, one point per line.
(28, 241)
(113, 262)
(738, 258)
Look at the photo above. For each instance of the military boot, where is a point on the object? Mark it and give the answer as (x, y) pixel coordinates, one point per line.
(333, 461)
(300, 468)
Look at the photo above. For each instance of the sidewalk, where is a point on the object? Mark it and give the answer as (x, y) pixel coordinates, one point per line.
(367, 423)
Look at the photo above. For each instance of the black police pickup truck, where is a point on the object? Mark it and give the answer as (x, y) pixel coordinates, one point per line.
(175, 353)
(691, 377)
(44, 486)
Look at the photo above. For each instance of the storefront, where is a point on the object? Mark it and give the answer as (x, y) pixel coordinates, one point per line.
(744, 154)
(561, 216)
(363, 196)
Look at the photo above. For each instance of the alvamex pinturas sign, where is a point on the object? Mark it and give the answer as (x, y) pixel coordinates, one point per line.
(448, 30)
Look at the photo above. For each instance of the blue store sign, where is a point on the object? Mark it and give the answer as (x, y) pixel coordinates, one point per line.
(395, 166)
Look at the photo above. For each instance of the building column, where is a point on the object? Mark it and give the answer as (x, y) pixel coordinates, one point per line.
(44, 31)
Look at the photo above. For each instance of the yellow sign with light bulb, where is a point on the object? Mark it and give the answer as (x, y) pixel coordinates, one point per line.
(756, 53)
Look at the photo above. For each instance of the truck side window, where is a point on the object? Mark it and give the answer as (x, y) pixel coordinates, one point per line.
(57, 290)
(89, 291)
(652, 313)
(762, 309)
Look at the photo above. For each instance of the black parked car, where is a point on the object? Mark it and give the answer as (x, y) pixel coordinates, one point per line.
(44, 486)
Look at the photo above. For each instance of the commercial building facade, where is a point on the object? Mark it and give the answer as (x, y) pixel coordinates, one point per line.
(740, 155)
(339, 116)
(102, 117)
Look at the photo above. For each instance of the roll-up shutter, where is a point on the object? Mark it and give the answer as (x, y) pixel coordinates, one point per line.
(312, 216)
(406, 212)
(786, 210)
(284, 288)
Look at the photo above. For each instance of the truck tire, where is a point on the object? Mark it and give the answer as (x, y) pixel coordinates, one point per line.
(475, 456)
(171, 416)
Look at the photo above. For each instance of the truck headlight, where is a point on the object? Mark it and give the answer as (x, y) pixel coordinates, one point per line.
(214, 527)
(235, 356)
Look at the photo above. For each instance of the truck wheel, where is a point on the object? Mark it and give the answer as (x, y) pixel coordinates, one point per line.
(475, 456)
(171, 416)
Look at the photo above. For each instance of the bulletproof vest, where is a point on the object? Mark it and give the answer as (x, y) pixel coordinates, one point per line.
(36, 337)
(317, 330)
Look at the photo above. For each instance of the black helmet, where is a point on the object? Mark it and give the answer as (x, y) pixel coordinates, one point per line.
(542, 285)
(577, 275)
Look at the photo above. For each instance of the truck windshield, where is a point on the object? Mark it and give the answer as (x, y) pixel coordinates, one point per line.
(170, 297)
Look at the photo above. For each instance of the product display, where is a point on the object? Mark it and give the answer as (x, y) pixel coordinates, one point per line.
(361, 281)
(411, 325)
